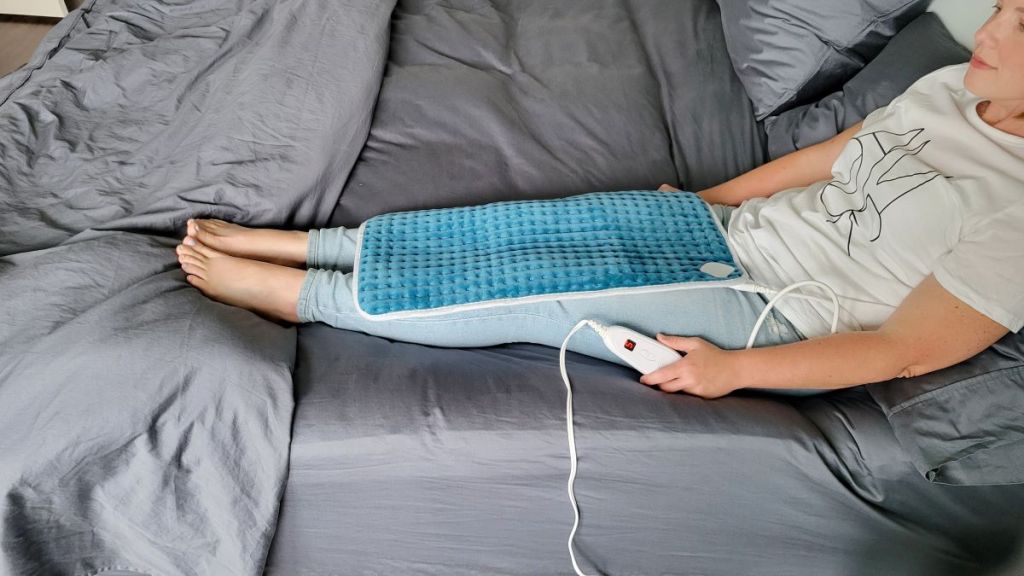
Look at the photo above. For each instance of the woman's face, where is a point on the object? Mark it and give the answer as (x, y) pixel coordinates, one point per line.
(997, 69)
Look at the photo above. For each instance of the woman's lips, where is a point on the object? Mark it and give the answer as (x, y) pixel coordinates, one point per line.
(980, 64)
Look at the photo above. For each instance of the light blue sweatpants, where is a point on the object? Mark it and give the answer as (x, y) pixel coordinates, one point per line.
(722, 316)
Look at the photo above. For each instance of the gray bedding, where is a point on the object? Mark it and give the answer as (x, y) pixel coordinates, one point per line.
(147, 430)
(415, 460)
(488, 100)
(144, 427)
(409, 459)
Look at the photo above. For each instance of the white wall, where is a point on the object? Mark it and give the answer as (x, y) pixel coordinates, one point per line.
(963, 17)
(52, 8)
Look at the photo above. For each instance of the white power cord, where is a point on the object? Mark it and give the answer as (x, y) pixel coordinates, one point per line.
(572, 437)
(782, 294)
(600, 330)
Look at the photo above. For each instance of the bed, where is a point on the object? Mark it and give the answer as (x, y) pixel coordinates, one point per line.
(145, 429)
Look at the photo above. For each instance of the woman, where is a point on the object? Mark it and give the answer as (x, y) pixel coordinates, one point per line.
(911, 216)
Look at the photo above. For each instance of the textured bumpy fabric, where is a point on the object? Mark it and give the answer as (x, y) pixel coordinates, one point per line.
(438, 259)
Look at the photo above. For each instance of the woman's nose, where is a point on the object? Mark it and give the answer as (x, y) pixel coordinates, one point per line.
(985, 35)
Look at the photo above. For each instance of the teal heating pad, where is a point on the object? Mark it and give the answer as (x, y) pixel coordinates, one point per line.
(435, 261)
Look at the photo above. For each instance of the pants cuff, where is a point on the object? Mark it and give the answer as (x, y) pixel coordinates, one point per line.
(312, 257)
(303, 306)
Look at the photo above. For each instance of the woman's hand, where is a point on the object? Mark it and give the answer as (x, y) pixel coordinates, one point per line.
(703, 194)
(704, 371)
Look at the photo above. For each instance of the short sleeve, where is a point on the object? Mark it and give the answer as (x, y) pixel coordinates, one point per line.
(875, 115)
(986, 267)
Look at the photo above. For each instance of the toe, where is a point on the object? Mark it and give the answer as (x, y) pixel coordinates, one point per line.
(207, 231)
(217, 227)
(208, 225)
(191, 251)
(193, 269)
(196, 281)
(204, 250)
(192, 261)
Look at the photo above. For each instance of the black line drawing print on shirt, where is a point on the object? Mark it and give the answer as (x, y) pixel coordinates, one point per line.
(860, 201)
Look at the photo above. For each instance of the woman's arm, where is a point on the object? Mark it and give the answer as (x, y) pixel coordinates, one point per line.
(797, 169)
(931, 329)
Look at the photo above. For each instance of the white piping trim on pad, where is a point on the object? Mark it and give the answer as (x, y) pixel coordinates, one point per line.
(735, 283)
(743, 284)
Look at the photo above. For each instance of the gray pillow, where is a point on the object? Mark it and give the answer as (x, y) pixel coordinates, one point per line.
(788, 52)
(963, 424)
(923, 46)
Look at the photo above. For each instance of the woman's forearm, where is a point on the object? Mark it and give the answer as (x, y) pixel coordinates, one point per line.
(799, 169)
(795, 170)
(830, 362)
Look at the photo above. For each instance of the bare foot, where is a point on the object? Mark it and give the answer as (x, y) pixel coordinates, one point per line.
(284, 247)
(264, 288)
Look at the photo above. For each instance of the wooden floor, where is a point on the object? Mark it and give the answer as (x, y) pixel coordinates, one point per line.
(19, 36)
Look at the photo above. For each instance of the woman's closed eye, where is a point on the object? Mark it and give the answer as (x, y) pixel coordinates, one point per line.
(996, 8)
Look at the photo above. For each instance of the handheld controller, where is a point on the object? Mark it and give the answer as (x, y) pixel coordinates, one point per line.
(641, 352)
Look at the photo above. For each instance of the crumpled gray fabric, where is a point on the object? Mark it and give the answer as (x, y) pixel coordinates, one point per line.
(789, 52)
(923, 46)
(505, 100)
(963, 425)
(143, 427)
(410, 459)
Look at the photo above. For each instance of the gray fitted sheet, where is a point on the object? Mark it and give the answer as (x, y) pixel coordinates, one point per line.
(408, 459)
(411, 459)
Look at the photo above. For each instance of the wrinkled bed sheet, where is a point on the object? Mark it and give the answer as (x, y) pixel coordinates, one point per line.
(415, 460)
(487, 100)
(144, 429)
(408, 459)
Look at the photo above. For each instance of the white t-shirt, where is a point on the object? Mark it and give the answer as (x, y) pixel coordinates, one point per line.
(926, 186)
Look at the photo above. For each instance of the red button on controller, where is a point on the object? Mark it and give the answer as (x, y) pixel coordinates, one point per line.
(630, 345)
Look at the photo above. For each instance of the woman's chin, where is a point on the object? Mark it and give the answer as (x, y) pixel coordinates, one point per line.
(974, 84)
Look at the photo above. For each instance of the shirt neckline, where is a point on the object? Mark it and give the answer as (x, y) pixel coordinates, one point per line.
(991, 131)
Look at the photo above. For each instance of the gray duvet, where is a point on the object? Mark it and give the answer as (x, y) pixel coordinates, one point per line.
(147, 430)
(144, 427)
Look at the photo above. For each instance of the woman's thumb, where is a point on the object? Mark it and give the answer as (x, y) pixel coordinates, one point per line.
(681, 343)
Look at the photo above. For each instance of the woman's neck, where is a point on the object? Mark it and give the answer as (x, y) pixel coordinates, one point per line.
(1005, 116)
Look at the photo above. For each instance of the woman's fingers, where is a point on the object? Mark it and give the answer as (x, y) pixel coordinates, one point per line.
(680, 343)
(662, 375)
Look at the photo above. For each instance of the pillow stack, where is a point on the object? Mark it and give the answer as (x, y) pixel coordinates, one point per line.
(788, 52)
(923, 46)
